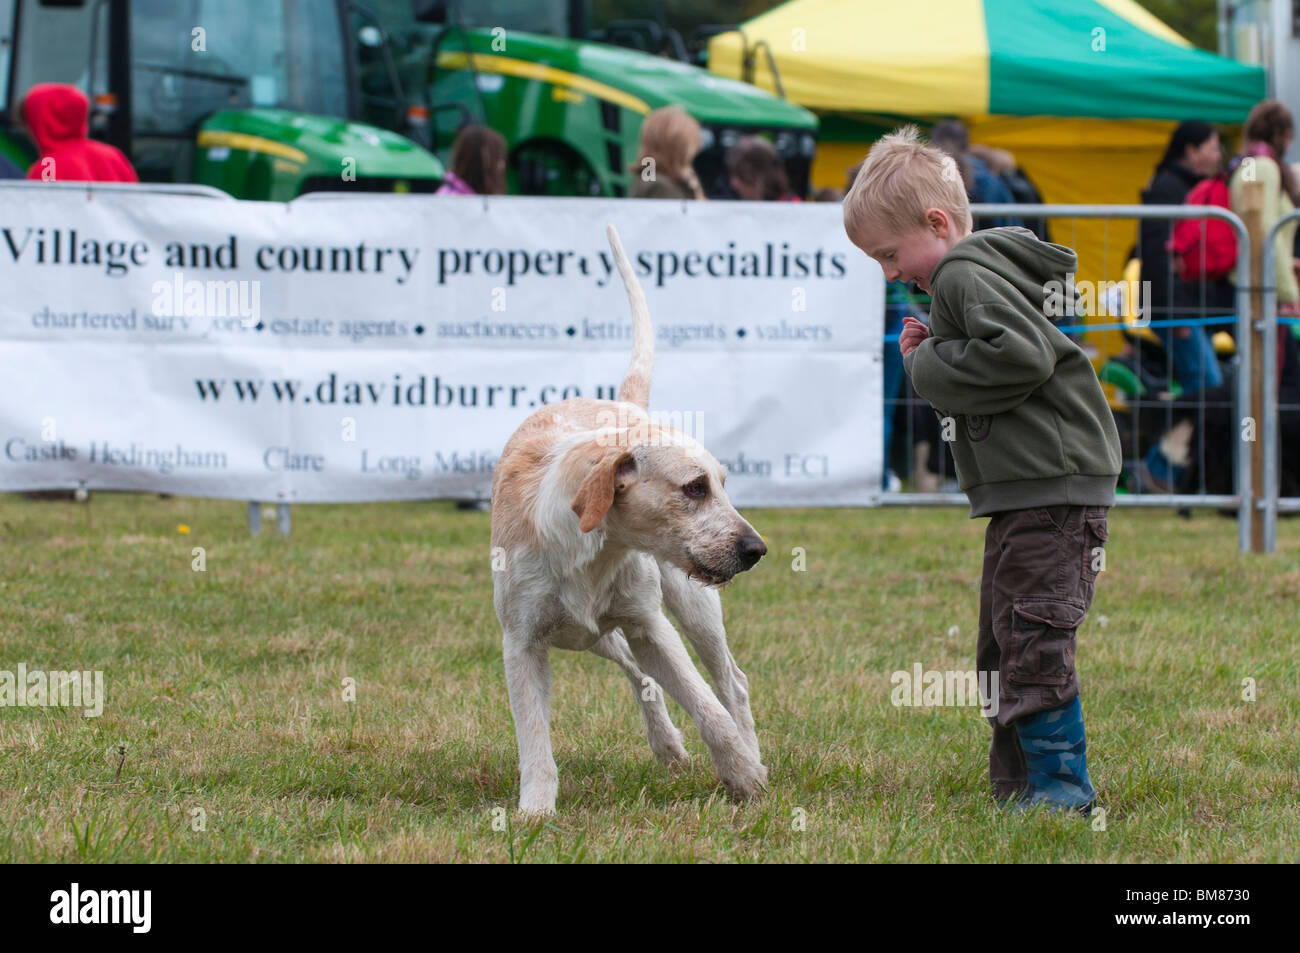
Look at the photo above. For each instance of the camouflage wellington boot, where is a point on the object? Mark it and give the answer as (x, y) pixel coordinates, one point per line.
(1056, 756)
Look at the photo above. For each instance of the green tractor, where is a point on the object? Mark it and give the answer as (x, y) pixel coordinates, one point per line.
(264, 99)
(268, 99)
(567, 83)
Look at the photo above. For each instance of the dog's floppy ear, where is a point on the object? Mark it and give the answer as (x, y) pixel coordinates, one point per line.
(609, 472)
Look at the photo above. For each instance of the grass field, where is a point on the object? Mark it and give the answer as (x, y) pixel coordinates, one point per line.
(225, 696)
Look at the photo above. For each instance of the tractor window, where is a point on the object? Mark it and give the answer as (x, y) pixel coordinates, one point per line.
(6, 48)
(642, 24)
(56, 47)
(379, 99)
(192, 57)
(601, 13)
(526, 16)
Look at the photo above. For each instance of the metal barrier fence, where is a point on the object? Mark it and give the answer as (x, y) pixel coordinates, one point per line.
(1149, 404)
(1275, 408)
(1149, 409)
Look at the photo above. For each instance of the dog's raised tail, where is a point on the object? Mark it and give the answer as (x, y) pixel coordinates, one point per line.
(635, 388)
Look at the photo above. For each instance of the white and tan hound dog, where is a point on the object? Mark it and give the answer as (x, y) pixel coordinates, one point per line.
(603, 516)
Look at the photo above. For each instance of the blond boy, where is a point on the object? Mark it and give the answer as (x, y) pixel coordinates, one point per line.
(1032, 438)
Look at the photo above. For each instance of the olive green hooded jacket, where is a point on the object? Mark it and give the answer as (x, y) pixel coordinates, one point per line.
(1019, 402)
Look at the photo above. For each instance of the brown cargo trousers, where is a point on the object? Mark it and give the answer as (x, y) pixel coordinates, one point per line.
(1040, 573)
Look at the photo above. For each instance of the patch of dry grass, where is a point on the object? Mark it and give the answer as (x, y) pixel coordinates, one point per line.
(225, 693)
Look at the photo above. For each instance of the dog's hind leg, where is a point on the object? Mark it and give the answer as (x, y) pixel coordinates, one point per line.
(665, 739)
(659, 652)
(698, 610)
(528, 678)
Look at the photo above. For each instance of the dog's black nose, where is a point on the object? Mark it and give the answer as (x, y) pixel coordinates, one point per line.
(750, 549)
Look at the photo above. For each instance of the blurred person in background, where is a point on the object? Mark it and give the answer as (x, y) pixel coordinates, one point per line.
(982, 185)
(1023, 191)
(756, 172)
(664, 169)
(1193, 154)
(1266, 137)
(478, 167)
(478, 163)
(1168, 466)
(57, 115)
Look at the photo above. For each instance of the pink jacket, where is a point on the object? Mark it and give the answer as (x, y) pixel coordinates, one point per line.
(454, 185)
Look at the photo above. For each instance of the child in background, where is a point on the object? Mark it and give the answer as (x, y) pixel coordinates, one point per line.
(478, 163)
(58, 117)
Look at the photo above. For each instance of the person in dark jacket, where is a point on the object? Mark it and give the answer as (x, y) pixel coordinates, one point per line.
(1193, 154)
(58, 117)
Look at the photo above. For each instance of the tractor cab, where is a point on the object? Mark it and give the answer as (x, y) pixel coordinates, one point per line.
(568, 82)
(261, 98)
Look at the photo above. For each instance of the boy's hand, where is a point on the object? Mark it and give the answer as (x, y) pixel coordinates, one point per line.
(913, 333)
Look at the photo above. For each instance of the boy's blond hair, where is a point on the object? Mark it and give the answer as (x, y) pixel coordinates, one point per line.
(901, 177)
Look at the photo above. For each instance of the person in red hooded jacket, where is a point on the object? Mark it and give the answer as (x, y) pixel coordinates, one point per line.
(58, 117)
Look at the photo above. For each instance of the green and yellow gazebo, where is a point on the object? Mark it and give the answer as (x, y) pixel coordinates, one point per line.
(1084, 93)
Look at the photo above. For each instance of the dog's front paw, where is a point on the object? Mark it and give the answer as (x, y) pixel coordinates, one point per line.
(671, 752)
(746, 783)
(678, 761)
(536, 808)
(538, 800)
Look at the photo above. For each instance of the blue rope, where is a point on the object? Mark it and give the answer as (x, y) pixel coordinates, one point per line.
(1173, 322)
(1169, 323)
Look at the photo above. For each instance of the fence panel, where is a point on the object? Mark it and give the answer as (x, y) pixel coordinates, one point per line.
(1281, 423)
(1179, 406)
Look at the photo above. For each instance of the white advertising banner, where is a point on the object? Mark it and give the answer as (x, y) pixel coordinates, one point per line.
(350, 348)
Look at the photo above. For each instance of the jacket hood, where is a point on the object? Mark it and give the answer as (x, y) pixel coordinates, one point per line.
(1017, 254)
(1036, 429)
(56, 112)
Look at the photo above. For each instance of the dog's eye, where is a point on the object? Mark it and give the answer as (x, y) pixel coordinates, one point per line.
(697, 490)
